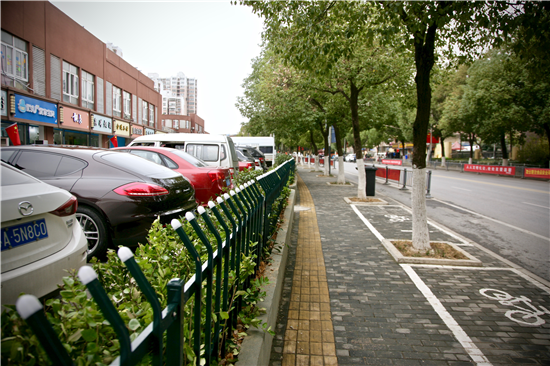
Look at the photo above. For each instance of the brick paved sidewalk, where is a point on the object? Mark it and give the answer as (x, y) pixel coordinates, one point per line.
(384, 313)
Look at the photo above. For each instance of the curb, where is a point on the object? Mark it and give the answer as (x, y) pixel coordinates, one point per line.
(256, 346)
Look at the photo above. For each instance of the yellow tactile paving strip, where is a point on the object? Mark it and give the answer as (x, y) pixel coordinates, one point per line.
(309, 336)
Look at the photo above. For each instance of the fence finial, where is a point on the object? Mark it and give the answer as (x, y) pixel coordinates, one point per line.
(176, 224)
(189, 216)
(125, 253)
(27, 305)
(201, 210)
(219, 199)
(211, 204)
(86, 274)
(226, 196)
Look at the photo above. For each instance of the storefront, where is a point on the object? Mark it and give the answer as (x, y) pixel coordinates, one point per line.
(102, 130)
(76, 126)
(122, 131)
(37, 120)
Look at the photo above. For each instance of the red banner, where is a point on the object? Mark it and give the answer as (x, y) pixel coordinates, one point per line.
(114, 141)
(393, 174)
(490, 169)
(392, 162)
(537, 173)
(13, 134)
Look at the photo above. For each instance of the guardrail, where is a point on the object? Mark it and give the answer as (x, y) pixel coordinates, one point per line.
(250, 215)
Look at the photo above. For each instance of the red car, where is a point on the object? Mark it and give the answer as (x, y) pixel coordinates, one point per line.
(207, 180)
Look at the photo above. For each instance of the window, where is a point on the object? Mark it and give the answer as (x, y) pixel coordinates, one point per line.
(151, 115)
(204, 152)
(70, 83)
(87, 90)
(14, 61)
(127, 105)
(117, 106)
(144, 112)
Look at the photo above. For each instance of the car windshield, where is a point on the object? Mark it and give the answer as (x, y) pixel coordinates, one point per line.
(189, 158)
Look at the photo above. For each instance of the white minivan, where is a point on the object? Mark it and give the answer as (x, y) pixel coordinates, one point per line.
(215, 150)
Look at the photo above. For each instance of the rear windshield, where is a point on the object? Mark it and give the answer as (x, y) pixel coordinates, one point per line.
(189, 158)
(133, 163)
(11, 176)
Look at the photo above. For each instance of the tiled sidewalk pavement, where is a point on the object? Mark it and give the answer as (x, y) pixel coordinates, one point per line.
(381, 317)
(308, 337)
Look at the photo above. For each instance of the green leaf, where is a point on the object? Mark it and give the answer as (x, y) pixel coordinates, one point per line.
(134, 324)
(75, 336)
(224, 315)
(67, 294)
(89, 335)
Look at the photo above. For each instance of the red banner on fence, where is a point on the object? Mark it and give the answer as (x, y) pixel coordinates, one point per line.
(537, 173)
(392, 162)
(490, 169)
(393, 174)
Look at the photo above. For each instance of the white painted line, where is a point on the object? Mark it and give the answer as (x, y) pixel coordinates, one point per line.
(494, 220)
(369, 225)
(475, 353)
(532, 204)
(462, 189)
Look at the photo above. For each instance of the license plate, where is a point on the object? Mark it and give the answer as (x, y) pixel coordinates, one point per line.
(14, 236)
(228, 182)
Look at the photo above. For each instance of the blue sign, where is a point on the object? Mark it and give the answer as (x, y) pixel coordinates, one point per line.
(35, 110)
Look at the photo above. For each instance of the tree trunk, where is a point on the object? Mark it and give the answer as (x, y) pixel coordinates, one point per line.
(357, 147)
(504, 151)
(326, 159)
(339, 150)
(424, 60)
(546, 128)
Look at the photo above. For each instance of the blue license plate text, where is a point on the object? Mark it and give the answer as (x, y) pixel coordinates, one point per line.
(14, 236)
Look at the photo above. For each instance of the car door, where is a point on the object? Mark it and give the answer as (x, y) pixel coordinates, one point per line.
(56, 169)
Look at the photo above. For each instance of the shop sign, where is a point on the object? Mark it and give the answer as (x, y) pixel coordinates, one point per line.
(392, 162)
(149, 131)
(4, 102)
(35, 110)
(121, 128)
(102, 124)
(137, 131)
(490, 169)
(537, 173)
(74, 118)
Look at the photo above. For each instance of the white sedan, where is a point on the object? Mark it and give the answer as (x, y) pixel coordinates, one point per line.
(41, 237)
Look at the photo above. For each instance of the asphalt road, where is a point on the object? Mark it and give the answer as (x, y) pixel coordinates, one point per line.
(508, 216)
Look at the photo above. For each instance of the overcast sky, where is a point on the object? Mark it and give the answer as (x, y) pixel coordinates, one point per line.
(214, 42)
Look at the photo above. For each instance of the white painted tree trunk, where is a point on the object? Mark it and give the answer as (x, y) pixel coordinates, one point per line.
(421, 235)
(443, 161)
(504, 162)
(341, 172)
(362, 183)
(326, 164)
(469, 160)
(309, 161)
(317, 167)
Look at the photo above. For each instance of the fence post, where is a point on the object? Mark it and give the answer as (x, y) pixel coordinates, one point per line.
(127, 257)
(429, 184)
(404, 180)
(31, 310)
(174, 333)
(88, 277)
(387, 175)
(198, 284)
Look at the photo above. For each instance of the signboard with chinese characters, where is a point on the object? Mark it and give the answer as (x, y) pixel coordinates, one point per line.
(76, 119)
(35, 110)
(121, 128)
(537, 173)
(102, 123)
(137, 131)
(392, 162)
(149, 131)
(490, 169)
(4, 102)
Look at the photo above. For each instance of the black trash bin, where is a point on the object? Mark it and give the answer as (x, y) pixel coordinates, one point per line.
(370, 172)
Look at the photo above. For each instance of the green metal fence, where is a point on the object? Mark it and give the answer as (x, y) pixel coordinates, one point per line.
(247, 215)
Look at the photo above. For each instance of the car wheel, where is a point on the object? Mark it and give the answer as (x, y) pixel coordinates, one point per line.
(95, 230)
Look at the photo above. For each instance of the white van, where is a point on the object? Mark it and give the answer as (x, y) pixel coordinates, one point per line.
(266, 144)
(215, 150)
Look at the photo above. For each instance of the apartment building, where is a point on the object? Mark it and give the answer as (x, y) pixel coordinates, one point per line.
(62, 85)
(179, 93)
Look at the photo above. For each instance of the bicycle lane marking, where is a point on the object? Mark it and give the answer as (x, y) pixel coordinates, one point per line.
(475, 353)
(459, 333)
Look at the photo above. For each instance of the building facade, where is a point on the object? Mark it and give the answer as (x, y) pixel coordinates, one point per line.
(62, 85)
(174, 123)
(179, 93)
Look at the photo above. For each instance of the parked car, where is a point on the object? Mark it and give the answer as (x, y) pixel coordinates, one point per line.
(255, 161)
(245, 162)
(208, 181)
(350, 157)
(119, 194)
(255, 153)
(215, 150)
(265, 144)
(41, 238)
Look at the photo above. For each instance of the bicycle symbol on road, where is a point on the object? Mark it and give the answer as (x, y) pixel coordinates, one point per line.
(521, 315)
(396, 218)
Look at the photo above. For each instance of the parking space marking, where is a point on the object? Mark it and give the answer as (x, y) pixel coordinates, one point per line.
(475, 353)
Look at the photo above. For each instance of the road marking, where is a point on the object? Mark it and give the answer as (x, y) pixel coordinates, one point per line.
(494, 220)
(532, 204)
(367, 222)
(493, 184)
(462, 189)
(475, 353)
